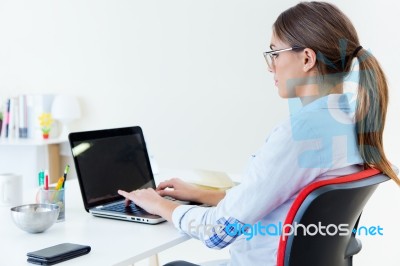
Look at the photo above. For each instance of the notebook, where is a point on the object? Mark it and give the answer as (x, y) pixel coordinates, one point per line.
(107, 160)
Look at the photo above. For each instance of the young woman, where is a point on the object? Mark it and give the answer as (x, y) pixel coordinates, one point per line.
(314, 47)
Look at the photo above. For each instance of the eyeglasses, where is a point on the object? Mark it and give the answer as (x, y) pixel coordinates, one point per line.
(271, 56)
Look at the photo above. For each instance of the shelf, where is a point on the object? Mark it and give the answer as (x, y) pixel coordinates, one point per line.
(29, 156)
(30, 142)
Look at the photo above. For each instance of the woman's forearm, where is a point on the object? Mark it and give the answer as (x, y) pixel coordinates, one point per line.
(204, 196)
(210, 197)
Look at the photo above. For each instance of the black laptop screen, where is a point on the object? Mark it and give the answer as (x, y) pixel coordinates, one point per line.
(108, 160)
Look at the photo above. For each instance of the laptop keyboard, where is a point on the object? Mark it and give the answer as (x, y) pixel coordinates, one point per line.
(130, 209)
(120, 207)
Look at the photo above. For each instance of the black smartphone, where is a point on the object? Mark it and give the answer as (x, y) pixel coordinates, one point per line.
(57, 253)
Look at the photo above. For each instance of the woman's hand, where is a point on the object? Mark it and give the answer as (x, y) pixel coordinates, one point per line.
(150, 201)
(179, 190)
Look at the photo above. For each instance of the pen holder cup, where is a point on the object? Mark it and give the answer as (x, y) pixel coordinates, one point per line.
(53, 196)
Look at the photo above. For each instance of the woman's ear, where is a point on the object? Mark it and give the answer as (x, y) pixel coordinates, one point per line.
(309, 59)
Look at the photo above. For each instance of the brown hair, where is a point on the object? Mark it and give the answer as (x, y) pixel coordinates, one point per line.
(323, 28)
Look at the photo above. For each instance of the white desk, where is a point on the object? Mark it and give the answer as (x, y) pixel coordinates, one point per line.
(113, 242)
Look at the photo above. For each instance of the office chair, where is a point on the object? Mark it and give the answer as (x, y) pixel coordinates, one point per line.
(334, 201)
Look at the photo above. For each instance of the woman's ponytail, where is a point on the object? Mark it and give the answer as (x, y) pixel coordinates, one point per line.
(372, 101)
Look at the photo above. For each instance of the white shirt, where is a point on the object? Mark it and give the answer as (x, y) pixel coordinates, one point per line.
(317, 142)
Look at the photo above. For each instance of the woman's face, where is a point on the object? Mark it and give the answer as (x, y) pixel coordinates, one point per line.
(288, 70)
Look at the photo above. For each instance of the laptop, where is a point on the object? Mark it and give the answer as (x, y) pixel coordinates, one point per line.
(111, 159)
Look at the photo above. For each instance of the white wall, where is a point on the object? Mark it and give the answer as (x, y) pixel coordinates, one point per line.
(190, 72)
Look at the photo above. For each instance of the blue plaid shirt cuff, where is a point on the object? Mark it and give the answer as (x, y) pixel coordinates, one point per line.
(224, 237)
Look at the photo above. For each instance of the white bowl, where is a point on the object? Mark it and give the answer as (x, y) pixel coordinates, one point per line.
(35, 218)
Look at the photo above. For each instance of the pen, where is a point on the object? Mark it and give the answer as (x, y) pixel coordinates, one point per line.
(60, 183)
(41, 179)
(65, 174)
(46, 182)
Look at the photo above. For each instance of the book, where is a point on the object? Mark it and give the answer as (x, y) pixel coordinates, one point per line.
(210, 179)
(22, 117)
(2, 112)
(6, 118)
(11, 119)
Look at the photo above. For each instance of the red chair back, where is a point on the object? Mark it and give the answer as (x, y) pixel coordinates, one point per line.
(334, 201)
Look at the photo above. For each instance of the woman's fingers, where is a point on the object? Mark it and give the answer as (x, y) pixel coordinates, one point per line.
(171, 183)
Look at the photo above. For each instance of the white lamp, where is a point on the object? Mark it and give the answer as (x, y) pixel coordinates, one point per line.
(65, 108)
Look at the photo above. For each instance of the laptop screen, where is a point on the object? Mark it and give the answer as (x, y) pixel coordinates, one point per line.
(108, 160)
